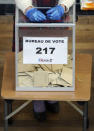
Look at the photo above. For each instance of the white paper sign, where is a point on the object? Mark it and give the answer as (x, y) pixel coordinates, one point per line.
(45, 50)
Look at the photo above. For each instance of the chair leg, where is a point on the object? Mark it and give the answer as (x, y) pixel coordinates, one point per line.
(85, 116)
(5, 114)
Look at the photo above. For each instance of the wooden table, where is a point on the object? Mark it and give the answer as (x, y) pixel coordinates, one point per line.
(81, 93)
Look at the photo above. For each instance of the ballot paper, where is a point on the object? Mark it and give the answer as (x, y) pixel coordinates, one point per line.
(87, 4)
(40, 79)
(25, 81)
(69, 65)
(53, 77)
(67, 75)
(22, 67)
(56, 80)
(51, 67)
(60, 82)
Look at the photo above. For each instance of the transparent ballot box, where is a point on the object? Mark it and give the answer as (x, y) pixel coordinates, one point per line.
(45, 53)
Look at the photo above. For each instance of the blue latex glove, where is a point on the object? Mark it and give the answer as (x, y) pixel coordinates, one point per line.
(55, 13)
(35, 15)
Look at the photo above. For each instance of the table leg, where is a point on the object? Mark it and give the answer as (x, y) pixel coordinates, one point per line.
(85, 116)
(10, 110)
(5, 114)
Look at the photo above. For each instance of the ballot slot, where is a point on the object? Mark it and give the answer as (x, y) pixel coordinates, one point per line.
(45, 76)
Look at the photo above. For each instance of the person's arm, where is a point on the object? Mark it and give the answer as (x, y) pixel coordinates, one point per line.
(66, 3)
(57, 12)
(29, 11)
(23, 5)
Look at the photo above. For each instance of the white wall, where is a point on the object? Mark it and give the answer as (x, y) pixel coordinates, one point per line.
(7, 2)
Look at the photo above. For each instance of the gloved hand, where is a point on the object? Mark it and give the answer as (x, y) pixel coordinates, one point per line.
(55, 13)
(35, 15)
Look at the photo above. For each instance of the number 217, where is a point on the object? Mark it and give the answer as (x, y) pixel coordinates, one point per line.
(39, 50)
